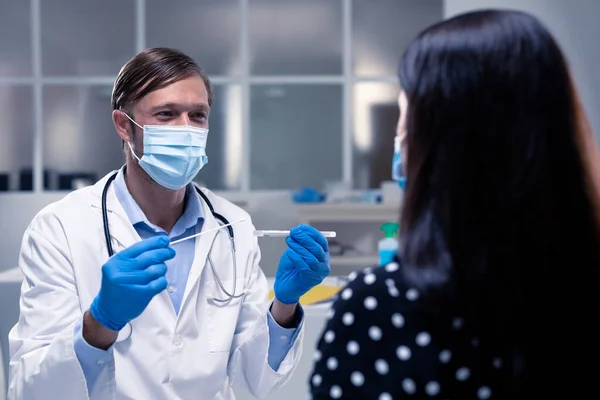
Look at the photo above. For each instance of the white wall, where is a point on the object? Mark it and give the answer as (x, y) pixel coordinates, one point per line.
(575, 24)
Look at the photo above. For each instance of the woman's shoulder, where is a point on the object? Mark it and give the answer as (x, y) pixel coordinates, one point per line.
(380, 287)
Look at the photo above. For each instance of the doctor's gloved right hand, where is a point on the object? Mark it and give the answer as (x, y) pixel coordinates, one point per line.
(130, 279)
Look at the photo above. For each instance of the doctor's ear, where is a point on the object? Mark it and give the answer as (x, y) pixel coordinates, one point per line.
(123, 125)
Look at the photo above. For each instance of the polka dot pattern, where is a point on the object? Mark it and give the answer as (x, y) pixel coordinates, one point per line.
(370, 303)
(329, 337)
(377, 345)
(332, 363)
(432, 388)
(346, 294)
(412, 294)
(382, 367)
(348, 319)
(397, 320)
(335, 392)
(353, 348)
(369, 279)
(403, 353)
(423, 339)
(409, 386)
(375, 333)
(357, 378)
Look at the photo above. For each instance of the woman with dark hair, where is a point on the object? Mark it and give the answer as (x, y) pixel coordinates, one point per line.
(495, 291)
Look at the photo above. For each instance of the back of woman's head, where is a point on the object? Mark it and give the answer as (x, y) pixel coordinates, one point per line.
(498, 217)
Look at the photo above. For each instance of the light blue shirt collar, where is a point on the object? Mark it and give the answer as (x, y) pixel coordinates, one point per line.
(192, 213)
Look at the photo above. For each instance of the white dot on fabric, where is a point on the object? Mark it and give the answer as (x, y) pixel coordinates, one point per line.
(409, 386)
(390, 282)
(497, 363)
(484, 393)
(385, 396)
(352, 347)
(346, 294)
(330, 313)
(382, 367)
(317, 379)
(445, 356)
(317, 355)
(462, 374)
(369, 279)
(370, 303)
(357, 378)
(348, 318)
(329, 336)
(403, 353)
(412, 294)
(375, 333)
(432, 388)
(423, 339)
(457, 323)
(392, 267)
(397, 320)
(332, 363)
(352, 276)
(335, 392)
(393, 291)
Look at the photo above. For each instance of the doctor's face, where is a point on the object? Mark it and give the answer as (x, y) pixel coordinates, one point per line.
(184, 102)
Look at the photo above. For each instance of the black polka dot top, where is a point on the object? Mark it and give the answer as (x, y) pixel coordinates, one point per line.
(377, 344)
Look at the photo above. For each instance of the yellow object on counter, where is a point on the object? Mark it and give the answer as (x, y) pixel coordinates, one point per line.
(317, 294)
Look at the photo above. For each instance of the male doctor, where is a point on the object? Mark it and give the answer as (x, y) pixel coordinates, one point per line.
(154, 320)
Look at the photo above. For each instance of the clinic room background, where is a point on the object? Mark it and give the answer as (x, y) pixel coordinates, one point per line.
(302, 126)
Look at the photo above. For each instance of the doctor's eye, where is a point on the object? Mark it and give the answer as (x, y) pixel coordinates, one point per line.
(200, 117)
(164, 114)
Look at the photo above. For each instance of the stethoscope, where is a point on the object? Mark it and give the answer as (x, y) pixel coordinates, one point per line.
(219, 217)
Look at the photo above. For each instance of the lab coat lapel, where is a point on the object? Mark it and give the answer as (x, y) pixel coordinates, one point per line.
(123, 234)
(202, 249)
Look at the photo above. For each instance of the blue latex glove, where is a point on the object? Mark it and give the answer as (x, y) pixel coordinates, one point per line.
(130, 279)
(303, 265)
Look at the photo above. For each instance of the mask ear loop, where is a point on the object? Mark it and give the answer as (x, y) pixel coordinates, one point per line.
(128, 142)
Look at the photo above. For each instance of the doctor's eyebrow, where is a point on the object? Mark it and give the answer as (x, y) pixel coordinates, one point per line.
(178, 106)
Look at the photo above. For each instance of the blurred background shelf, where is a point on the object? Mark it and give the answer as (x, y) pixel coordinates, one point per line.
(354, 261)
(350, 212)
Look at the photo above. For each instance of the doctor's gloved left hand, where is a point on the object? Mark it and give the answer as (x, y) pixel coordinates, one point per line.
(303, 265)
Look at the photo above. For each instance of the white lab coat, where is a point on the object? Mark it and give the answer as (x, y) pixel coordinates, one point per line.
(198, 354)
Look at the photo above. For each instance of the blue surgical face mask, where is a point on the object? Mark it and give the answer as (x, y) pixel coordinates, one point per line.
(397, 166)
(173, 154)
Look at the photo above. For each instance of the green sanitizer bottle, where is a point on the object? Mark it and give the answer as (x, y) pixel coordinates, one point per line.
(388, 246)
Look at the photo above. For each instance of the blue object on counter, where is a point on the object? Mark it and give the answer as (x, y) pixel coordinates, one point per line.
(386, 257)
(388, 246)
(308, 195)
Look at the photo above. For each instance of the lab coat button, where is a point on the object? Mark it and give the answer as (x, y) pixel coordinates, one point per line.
(170, 289)
(177, 341)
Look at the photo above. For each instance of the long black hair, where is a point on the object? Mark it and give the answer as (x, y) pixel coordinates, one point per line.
(498, 221)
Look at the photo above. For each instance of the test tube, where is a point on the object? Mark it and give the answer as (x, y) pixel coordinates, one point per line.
(273, 233)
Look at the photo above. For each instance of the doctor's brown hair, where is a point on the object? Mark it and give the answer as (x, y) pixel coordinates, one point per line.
(154, 69)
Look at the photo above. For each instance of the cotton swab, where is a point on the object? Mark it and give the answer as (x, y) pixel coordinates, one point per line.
(272, 233)
(206, 231)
